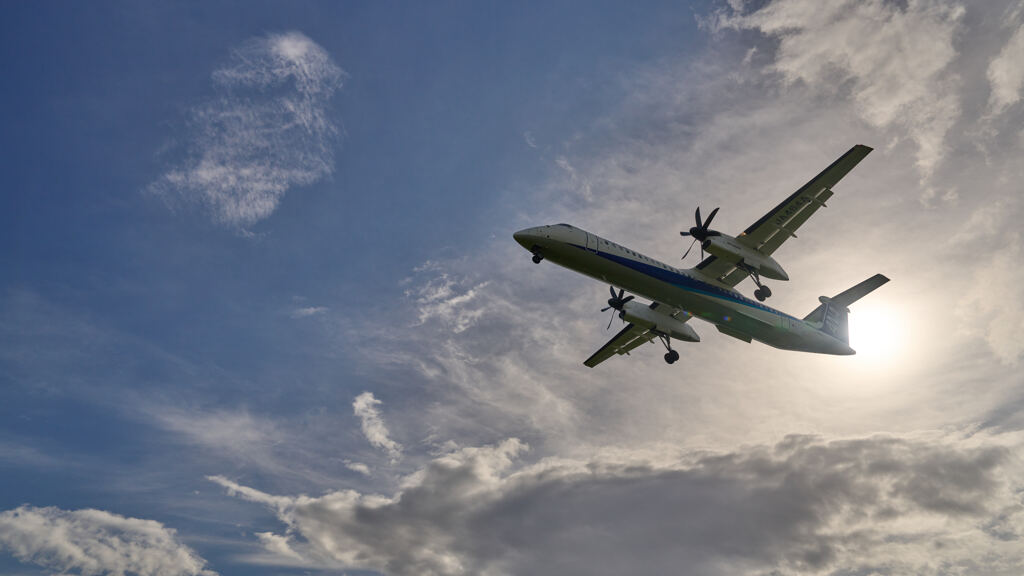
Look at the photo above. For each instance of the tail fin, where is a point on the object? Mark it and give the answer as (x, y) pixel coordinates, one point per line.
(831, 316)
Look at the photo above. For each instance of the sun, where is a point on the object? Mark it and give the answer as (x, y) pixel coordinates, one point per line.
(877, 331)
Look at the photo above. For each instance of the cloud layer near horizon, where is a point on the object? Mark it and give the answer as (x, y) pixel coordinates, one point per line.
(879, 504)
(268, 131)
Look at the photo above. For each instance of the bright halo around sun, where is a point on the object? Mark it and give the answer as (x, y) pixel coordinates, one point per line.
(877, 332)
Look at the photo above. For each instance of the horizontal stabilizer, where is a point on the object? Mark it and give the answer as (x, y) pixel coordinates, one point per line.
(847, 297)
(831, 316)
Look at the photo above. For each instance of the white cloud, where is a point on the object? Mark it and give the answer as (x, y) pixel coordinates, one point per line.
(991, 308)
(253, 443)
(895, 58)
(235, 433)
(93, 542)
(1006, 74)
(444, 298)
(372, 424)
(574, 180)
(278, 545)
(268, 131)
(358, 467)
(803, 506)
(308, 311)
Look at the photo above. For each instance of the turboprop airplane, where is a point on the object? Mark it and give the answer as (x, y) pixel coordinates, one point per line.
(707, 291)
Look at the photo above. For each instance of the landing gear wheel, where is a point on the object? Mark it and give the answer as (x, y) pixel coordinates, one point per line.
(760, 295)
(537, 258)
(766, 291)
(671, 356)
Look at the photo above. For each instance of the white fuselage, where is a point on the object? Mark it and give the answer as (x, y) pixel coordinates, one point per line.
(697, 296)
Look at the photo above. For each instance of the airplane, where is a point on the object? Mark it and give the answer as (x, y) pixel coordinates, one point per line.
(707, 291)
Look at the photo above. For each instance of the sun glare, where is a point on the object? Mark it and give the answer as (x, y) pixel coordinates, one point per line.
(876, 332)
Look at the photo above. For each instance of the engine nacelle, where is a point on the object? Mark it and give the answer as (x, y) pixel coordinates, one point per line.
(731, 250)
(643, 315)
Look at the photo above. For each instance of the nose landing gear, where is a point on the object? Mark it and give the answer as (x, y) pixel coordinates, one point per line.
(537, 256)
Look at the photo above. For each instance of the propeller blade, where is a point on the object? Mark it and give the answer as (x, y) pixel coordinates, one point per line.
(606, 308)
(611, 290)
(621, 293)
(710, 218)
(628, 298)
(685, 234)
(688, 249)
(610, 318)
(696, 215)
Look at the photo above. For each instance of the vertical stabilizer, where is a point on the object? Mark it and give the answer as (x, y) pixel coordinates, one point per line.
(831, 317)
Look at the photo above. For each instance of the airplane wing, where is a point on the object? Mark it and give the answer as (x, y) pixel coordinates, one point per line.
(781, 223)
(629, 338)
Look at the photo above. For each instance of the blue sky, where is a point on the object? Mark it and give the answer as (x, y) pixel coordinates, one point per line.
(261, 312)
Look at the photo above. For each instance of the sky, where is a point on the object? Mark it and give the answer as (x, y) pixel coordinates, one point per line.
(261, 311)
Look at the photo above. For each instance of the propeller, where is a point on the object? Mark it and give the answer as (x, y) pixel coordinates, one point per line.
(616, 302)
(700, 232)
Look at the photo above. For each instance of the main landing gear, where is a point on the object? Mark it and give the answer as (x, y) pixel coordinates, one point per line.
(671, 356)
(762, 291)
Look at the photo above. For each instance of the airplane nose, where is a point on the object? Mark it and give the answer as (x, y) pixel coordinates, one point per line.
(524, 237)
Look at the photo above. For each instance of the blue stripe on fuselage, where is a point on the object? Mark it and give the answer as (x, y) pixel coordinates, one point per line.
(683, 281)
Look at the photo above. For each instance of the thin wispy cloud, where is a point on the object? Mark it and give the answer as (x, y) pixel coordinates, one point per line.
(372, 424)
(308, 311)
(14, 452)
(1005, 73)
(440, 296)
(895, 60)
(234, 434)
(268, 131)
(574, 180)
(96, 542)
(993, 306)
